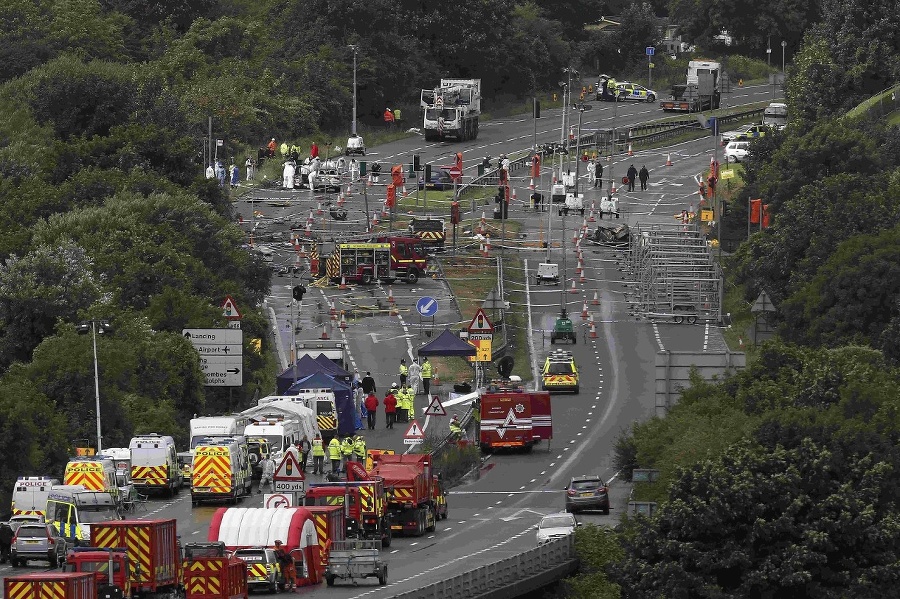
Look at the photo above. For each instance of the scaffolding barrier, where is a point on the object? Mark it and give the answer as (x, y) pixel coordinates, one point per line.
(672, 274)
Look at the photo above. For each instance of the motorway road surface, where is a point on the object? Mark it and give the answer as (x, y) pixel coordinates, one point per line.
(493, 514)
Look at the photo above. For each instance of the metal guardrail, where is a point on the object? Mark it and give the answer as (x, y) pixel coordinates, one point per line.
(637, 135)
(487, 578)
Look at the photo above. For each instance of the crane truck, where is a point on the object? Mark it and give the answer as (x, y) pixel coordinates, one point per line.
(700, 92)
(452, 110)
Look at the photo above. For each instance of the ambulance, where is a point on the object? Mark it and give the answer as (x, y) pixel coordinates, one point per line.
(220, 471)
(29, 496)
(154, 464)
(97, 473)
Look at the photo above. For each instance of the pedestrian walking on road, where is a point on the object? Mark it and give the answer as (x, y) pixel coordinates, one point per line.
(249, 166)
(404, 371)
(427, 373)
(235, 175)
(318, 453)
(371, 407)
(210, 172)
(305, 447)
(592, 171)
(644, 175)
(268, 471)
(390, 407)
(632, 176)
(415, 376)
(334, 454)
(368, 384)
(598, 172)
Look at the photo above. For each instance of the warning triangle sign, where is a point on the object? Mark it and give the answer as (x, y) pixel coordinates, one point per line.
(289, 469)
(481, 324)
(414, 431)
(435, 408)
(229, 309)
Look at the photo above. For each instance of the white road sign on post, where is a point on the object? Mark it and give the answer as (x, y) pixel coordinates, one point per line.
(221, 355)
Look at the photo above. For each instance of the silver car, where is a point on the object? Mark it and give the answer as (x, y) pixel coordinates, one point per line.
(38, 542)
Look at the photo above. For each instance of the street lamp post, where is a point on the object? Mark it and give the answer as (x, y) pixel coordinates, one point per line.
(96, 327)
(355, 49)
(783, 45)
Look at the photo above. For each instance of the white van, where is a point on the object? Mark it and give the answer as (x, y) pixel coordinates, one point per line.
(776, 115)
(206, 426)
(278, 431)
(154, 464)
(29, 496)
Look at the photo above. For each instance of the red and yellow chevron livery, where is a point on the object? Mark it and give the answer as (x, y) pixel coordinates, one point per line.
(51, 585)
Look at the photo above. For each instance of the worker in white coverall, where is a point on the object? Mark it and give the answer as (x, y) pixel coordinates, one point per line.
(288, 175)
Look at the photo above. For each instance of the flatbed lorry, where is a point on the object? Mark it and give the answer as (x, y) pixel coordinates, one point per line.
(700, 92)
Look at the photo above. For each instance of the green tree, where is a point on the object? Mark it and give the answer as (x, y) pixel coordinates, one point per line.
(851, 297)
(52, 282)
(803, 519)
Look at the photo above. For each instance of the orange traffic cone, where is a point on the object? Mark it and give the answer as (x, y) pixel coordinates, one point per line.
(319, 209)
(668, 160)
(343, 324)
(487, 245)
(482, 226)
(308, 231)
(591, 219)
(578, 268)
(310, 219)
(531, 184)
(340, 201)
(582, 279)
(512, 197)
(343, 284)
(583, 225)
(302, 253)
(375, 220)
(333, 311)
(584, 311)
(593, 330)
(384, 210)
(391, 294)
(349, 190)
(596, 301)
(325, 331)
(573, 290)
(630, 152)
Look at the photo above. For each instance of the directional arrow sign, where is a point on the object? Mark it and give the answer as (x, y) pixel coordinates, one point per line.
(427, 306)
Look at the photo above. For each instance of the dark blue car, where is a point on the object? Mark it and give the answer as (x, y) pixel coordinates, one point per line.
(440, 180)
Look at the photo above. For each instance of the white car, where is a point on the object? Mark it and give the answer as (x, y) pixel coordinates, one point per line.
(556, 526)
(736, 151)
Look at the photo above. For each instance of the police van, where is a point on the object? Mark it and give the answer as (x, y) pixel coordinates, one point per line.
(154, 464)
(72, 509)
(220, 470)
(30, 495)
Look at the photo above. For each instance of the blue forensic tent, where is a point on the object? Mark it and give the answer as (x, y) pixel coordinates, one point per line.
(339, 373)
(306, 366)
(447, 344)
(343, 398)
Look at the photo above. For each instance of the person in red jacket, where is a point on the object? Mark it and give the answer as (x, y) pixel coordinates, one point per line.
(371, 406)
(314, 150)
(390, 407)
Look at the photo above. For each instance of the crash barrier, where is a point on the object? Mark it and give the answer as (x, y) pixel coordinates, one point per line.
(511, 577)
(602, 141)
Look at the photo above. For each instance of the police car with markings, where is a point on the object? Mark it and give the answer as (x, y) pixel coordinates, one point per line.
(635, 92)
